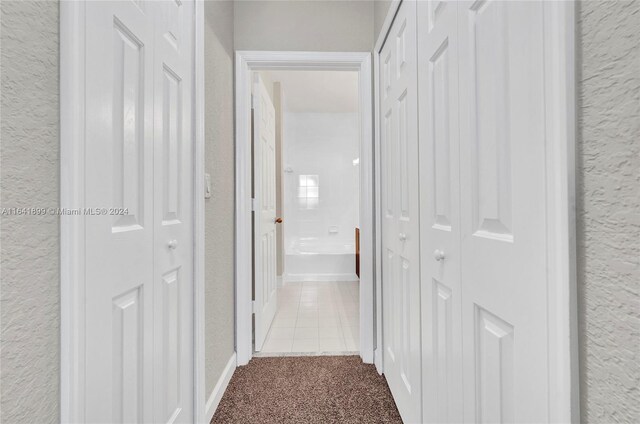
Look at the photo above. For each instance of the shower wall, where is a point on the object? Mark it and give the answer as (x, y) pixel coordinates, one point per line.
(321, 194)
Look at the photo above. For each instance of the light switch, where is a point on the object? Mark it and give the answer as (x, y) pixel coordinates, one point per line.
(207, 186)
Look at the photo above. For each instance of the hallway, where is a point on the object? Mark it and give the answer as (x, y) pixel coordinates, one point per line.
(328, 389)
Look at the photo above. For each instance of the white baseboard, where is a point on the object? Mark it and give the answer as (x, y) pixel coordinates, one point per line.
(219, 389)
(296, 278)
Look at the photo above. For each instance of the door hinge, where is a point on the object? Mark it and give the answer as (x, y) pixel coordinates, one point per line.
(253, 204)
(253, 306)
(253, 101)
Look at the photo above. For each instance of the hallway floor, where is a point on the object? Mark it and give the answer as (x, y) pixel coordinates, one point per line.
(310, 389)
(315, 317)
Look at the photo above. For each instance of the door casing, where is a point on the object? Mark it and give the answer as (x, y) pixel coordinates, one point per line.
(560, 70)
(72, 178)
(247, 62)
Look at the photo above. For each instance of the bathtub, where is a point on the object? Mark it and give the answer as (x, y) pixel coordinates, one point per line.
(320, 260)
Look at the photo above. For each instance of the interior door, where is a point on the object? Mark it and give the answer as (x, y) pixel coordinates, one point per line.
(264, 153)
(138, 292)
(173, 207)
(119, 247)
(400, 214)
(440, 212)
(502, 144)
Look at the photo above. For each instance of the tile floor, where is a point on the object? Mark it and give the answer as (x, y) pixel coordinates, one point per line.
(316, 317)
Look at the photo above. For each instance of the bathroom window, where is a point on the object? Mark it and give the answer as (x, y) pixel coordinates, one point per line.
(308, 191)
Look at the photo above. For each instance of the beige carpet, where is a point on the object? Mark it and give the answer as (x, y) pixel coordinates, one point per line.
(311, 389)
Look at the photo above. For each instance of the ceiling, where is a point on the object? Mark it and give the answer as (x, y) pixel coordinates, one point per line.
(317, 91)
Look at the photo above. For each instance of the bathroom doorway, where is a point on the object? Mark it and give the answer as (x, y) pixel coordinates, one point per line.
(311, 145)
(317, 193)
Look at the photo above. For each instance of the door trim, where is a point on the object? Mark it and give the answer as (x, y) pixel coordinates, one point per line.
(72, 233)
(386, 26)
(560, 71)
(246, 62)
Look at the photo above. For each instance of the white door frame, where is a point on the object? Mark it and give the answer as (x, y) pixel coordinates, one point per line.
(560, 69)
(72, 178)
(246, 62)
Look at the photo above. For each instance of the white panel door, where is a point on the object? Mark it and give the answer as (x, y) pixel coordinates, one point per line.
(119, 248)
(400, 214)
(440, 212)
(264, 159)
(138, 291)
(173, 206)
(502, 144)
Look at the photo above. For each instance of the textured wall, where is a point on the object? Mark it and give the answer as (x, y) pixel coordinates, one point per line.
(304, 25)
(608, 183)
(29, 288)
(219, 209)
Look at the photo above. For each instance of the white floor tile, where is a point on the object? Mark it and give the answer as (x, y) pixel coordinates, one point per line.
(305, 345)
(330, 332)
(281, 333)
(307, 322)
(284, 322)
(277, 345)
(331, 345)
(305, 333)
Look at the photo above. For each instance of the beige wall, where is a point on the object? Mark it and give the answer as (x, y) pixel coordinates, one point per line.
(304, 25)
(608, 189)
(30, 167)
(380, 9)
(219, 209)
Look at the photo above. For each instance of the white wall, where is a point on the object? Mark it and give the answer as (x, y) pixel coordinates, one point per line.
(345, 25)
(322, 144)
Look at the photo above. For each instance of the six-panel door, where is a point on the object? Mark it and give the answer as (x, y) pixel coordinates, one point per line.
(483, 224)
(400, 197)
(138, 162)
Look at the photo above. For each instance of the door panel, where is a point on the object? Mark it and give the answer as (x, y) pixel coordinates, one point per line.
(440, 212)
(400, 227)
(503, 212)
(119, 248)
(173, 67)
(265, 214)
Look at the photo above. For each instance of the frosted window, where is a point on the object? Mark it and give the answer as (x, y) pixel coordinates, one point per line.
(308, 191)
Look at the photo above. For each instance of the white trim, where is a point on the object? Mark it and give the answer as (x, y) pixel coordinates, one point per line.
(246, 61)
(391, 13)
(295, 278)
(72, 228)
(199, 389)
(560, 116)
(72, 247)
(216, 394)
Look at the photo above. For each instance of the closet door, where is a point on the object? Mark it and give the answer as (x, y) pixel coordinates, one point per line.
(503, 212)
(173, 207)
(440, 212)
(400, 226)
(119, 286)
(138, 298)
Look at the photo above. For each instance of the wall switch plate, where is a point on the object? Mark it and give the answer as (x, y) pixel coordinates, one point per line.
(207, 186)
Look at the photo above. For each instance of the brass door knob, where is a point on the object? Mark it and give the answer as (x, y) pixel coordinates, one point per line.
(278, 220)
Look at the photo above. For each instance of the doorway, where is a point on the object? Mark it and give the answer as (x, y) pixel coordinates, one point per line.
(315, 251)
(306, 162)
